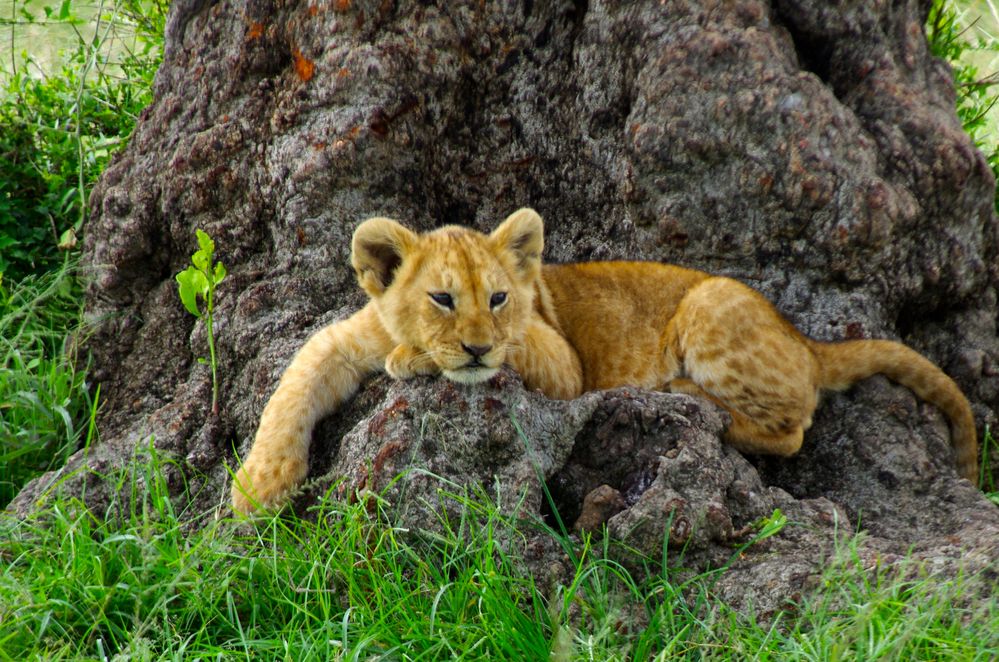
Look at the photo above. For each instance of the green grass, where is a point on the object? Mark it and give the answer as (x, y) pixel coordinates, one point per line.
(44, 400)
(987, 471)
(347, 584)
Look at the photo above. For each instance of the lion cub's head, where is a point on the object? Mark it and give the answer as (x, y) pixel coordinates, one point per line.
(462, 297)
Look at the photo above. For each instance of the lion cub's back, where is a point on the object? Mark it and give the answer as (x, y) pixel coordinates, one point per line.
(614, 314)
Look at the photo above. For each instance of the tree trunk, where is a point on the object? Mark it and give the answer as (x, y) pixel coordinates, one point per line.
(809, 149)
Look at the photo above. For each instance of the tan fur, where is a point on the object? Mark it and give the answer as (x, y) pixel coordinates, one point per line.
(403, 332)
(566, 329)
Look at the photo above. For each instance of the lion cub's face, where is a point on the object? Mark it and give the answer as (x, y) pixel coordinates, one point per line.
(461, 297)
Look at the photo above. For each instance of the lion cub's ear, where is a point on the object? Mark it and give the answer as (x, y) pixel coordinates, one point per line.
(523, 234)
(378, 248)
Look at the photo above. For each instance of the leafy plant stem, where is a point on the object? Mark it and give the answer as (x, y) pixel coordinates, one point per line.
(211, 351)
(200, 280)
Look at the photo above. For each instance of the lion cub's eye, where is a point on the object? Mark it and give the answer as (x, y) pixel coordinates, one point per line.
(442, 299)
(497, 299)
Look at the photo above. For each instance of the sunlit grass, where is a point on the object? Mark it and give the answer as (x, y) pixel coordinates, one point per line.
(346, 583)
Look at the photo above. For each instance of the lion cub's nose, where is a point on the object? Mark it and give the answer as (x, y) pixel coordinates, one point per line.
(478, 351)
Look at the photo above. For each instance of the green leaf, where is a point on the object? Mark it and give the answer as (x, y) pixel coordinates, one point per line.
(190, 301)
(772, 525)
(188, 290)
(206, 243)
(67, 240)
(220, 273)
(200, 283)
(64, 10)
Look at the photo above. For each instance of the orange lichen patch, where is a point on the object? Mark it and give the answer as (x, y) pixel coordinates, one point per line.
(341, 5)
(255, 31)
(313, 10)
(319, 146)
(387, 452)
(381, 419)
(304, 67)
(343, 73)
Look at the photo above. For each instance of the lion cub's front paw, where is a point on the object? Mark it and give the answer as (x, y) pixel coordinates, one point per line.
(266, 482)
(406, 362)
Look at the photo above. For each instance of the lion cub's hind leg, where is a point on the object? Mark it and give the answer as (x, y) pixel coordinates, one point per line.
(745, 434)
(732, 347)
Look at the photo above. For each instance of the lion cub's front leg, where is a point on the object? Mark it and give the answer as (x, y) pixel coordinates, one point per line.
(547, 362)
(325, 372)
(406, 362)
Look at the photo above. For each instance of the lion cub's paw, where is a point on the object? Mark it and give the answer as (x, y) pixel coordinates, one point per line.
(406, 362)
(266, 483)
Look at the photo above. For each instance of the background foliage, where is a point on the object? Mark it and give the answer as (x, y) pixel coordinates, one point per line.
(61, 120)
(61, 126)
(963, 34)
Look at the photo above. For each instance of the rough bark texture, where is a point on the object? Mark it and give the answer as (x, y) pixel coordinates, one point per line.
(808, 148)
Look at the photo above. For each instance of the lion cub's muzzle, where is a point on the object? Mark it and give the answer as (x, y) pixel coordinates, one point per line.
(477, 368)
(476, 352)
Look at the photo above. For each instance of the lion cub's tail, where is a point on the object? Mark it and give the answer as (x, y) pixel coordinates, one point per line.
(843, 363)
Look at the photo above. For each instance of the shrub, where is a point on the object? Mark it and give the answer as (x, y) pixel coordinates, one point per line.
(977, 94)
(60, 129)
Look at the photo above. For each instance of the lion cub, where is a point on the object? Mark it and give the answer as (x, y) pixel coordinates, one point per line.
(460, 303)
